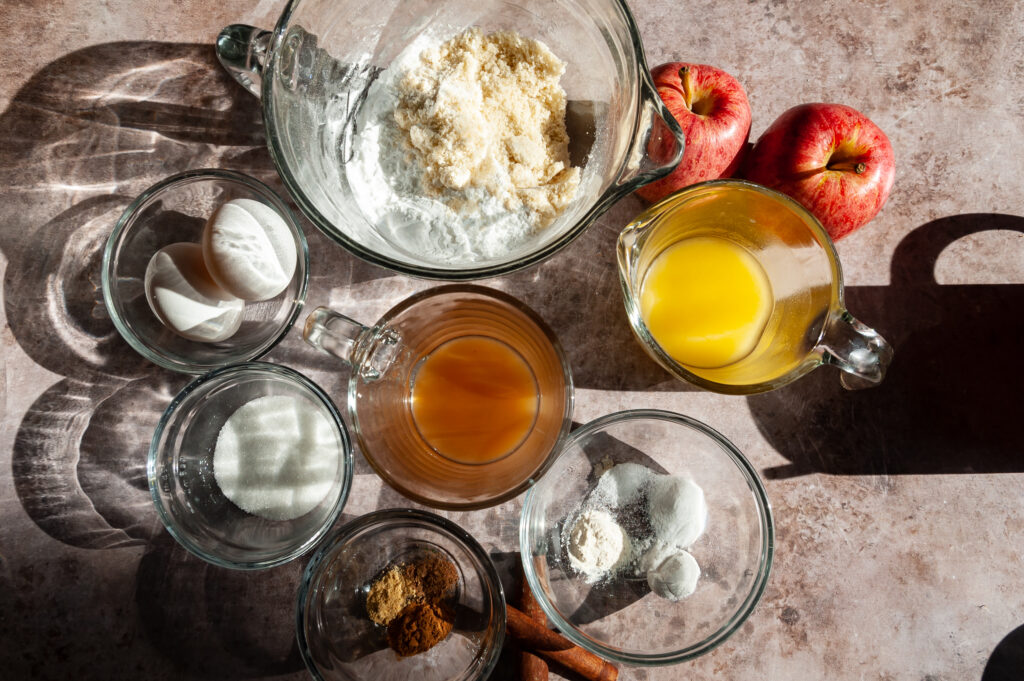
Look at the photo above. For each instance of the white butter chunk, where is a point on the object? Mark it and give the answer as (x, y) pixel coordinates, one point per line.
(185, 298)
(249, 250)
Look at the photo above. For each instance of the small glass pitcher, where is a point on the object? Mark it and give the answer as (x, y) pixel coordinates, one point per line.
(314, 70)
(808, 324)
(386, 361)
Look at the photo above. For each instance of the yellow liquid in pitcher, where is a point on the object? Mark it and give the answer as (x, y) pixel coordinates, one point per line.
(706, 301)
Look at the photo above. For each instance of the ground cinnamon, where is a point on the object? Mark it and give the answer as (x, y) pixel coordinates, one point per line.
(556, 648)
(434, 577)
(413, 601)
(418, 628)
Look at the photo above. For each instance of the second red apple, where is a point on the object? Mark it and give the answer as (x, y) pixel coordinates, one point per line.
(829, 157)
(712, 109)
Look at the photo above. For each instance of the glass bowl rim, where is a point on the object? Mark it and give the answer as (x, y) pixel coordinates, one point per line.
(127, 218)
(616, 190)
(281, 373)
(385, 518)
(746, 607)
(568, 407)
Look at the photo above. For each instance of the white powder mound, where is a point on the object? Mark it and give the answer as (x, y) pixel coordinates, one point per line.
(276, 457)
(597, 544)
(428, 185)
(622, 484)
(675, 577)
(486, 110)
(678, 510)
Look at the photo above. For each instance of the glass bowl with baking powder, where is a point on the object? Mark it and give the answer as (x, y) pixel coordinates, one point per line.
(173, 211)
(250, 466)
(650, 540)
(336, 635)
(375, 174)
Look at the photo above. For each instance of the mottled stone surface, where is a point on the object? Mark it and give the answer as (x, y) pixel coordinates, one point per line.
(899, 511)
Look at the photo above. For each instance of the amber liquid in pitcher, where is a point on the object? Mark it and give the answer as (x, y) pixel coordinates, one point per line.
(474, 399)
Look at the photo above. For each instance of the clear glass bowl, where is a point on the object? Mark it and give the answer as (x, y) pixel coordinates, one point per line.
(174, 210)
(180, 471)
(619, 618)
(318, 65)
(336, 638)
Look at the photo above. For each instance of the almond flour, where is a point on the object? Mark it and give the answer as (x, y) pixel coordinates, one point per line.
(487, 111)
(402, 193)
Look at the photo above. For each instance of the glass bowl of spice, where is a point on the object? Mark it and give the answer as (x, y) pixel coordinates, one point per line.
(400, 594)
(650, 540)
(250, 466)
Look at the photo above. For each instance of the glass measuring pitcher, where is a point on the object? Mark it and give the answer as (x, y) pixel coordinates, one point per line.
(459, 395)
(775, 290)
(315, 70)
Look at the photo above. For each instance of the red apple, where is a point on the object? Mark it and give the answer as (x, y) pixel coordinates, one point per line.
(712, 109)
(829, 157)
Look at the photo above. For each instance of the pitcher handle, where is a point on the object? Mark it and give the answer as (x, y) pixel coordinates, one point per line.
(242, 51)
(857, 349)
(370, 351)
(658, 142)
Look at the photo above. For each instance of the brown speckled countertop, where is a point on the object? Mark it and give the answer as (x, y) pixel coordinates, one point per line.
(899, 511)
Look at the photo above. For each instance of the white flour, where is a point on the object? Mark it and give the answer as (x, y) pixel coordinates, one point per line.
(657, 516)
(387, 183)
(597, 544)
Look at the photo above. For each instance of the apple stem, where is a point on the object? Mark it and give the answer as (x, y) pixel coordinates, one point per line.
(686, 81)
(859, 167)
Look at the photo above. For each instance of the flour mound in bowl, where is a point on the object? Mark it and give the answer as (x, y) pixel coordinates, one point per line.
(486, 110)
(461, 154)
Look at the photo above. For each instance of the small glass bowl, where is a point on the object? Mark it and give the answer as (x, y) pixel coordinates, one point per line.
(186, 495)
(619, 618)
(175, 210)
(337, 639)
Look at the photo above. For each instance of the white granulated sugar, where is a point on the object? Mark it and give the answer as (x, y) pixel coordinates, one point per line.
(678, 510)
(596, 544)
(442, 165)
(276, 457)
(675, 577)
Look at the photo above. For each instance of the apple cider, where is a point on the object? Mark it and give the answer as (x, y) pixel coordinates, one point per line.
(473, 402)
(474, 399)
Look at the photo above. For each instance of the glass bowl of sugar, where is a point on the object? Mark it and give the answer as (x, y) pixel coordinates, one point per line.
(650, 540)
(250, 466)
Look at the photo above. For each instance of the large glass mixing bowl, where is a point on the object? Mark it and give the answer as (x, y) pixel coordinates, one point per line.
(315, 69)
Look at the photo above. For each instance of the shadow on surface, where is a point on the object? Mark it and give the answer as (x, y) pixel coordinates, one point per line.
(951, 400)
(84, 136)
(218, 623)
(80, 139)
(1007, 660)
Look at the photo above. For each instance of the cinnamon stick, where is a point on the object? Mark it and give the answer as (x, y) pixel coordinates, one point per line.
(556, 648)
(531, 667)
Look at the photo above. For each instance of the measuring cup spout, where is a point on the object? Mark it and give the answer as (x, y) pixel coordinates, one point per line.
(658, 142)
(857, 349)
